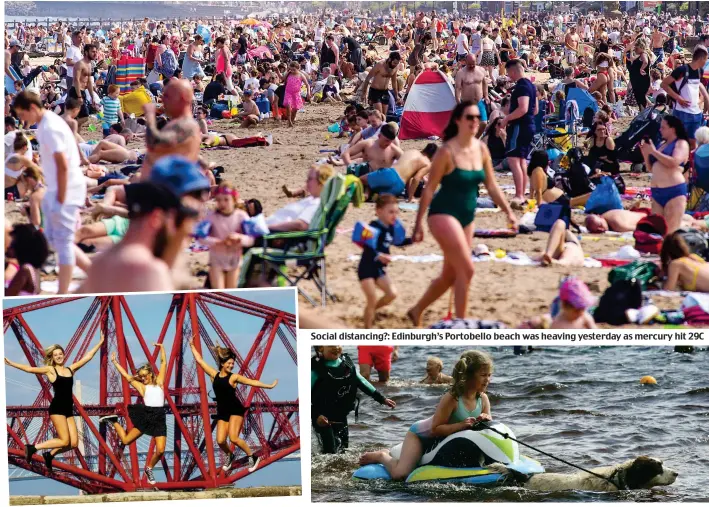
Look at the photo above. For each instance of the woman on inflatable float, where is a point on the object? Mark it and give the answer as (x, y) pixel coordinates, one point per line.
(460, 409)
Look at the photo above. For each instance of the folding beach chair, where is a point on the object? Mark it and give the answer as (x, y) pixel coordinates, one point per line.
(304, 251)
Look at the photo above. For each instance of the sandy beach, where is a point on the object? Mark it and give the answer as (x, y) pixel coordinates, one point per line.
(499, 291)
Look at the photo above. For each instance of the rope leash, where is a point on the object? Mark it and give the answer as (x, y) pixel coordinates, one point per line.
(507, 436)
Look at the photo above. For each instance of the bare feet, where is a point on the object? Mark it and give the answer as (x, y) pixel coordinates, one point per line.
(371, 457)
(546, 260)
(414, 317)
(287, 191)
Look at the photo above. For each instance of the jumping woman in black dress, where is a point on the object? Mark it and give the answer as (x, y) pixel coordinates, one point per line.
(61, 409)
(148, 418)
(230, 411)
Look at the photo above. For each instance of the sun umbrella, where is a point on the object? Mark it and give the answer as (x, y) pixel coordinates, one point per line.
(250, 22)
(265, 24)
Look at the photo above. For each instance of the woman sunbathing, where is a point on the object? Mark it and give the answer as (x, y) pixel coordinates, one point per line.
(563, 248)
(113, 153)
(683, 268)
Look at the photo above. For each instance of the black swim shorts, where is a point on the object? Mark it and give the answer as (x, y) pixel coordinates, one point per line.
(378, 96)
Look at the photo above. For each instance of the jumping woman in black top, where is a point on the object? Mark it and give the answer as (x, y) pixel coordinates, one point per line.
(230, 411)
(61, 409)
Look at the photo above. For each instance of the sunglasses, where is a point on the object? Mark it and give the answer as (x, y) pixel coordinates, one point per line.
(471, 117)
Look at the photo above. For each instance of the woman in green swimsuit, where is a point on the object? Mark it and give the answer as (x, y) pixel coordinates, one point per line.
(452, 209)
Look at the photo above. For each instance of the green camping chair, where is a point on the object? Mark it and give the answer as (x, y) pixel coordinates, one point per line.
(305, 251)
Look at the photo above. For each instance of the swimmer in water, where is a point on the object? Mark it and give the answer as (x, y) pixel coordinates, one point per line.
(434, 372)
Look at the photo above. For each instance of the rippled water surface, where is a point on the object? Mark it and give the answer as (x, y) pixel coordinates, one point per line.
(585, 405)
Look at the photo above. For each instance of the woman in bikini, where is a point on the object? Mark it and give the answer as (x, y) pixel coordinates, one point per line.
(148, 418)
(684, 269)
(61, 408)
(230, 411)
(112, 153)
(668, 186)
(452, 210)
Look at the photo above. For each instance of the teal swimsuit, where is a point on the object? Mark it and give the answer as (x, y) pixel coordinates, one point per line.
(458, 195)
(423, 428)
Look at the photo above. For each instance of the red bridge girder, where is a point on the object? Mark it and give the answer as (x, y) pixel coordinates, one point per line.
(196, 459)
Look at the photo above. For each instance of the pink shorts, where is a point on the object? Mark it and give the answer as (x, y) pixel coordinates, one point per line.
(378, 356)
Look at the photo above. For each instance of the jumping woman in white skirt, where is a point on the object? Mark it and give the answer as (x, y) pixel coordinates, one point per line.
(148, 418)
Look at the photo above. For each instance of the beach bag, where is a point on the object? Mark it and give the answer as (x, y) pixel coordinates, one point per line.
(549, 213)
(616, 300)
(218, 109)
(649, 234)
(605, 197)
(644, 272)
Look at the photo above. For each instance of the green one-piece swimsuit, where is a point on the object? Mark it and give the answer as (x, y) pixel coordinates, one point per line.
(458, 195)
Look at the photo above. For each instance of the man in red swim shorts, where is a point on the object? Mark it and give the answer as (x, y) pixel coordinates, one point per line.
(378, 356)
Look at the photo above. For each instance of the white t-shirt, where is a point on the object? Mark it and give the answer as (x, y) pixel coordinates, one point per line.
(302, 210)
(460, 44)
(55, 136)
(74, 53)
(10, 141)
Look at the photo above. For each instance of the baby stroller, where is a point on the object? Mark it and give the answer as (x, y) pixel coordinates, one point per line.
(645, 126)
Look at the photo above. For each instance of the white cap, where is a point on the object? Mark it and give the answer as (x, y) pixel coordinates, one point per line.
(480, 250)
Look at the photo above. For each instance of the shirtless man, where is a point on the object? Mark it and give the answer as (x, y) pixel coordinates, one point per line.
(180, 136)
(571, 43)
(83, 86)
(380, 153)
(379, 76)
(471, 84)
(163, 213)
(413, 166)
(621, 220)
(658, 39)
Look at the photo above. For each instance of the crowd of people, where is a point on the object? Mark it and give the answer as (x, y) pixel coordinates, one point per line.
(159, 196)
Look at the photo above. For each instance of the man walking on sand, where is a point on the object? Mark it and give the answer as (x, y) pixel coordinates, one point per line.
(63, 178)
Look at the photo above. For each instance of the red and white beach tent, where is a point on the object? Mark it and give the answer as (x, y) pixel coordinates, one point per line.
(428, 106)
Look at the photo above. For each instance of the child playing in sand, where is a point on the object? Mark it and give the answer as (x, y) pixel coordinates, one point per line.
(333, 373)
(225, 239)
(461, 408)
(574, 299)
(371, 266)
(434, 372)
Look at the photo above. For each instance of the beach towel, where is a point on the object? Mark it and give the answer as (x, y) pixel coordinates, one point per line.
(495, 233)
(514, 258)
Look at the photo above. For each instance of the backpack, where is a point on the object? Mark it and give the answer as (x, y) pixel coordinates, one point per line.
(616, 300)
(649, 233)
(644, 272)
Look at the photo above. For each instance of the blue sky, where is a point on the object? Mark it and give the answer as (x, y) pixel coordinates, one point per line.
(58, 323)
